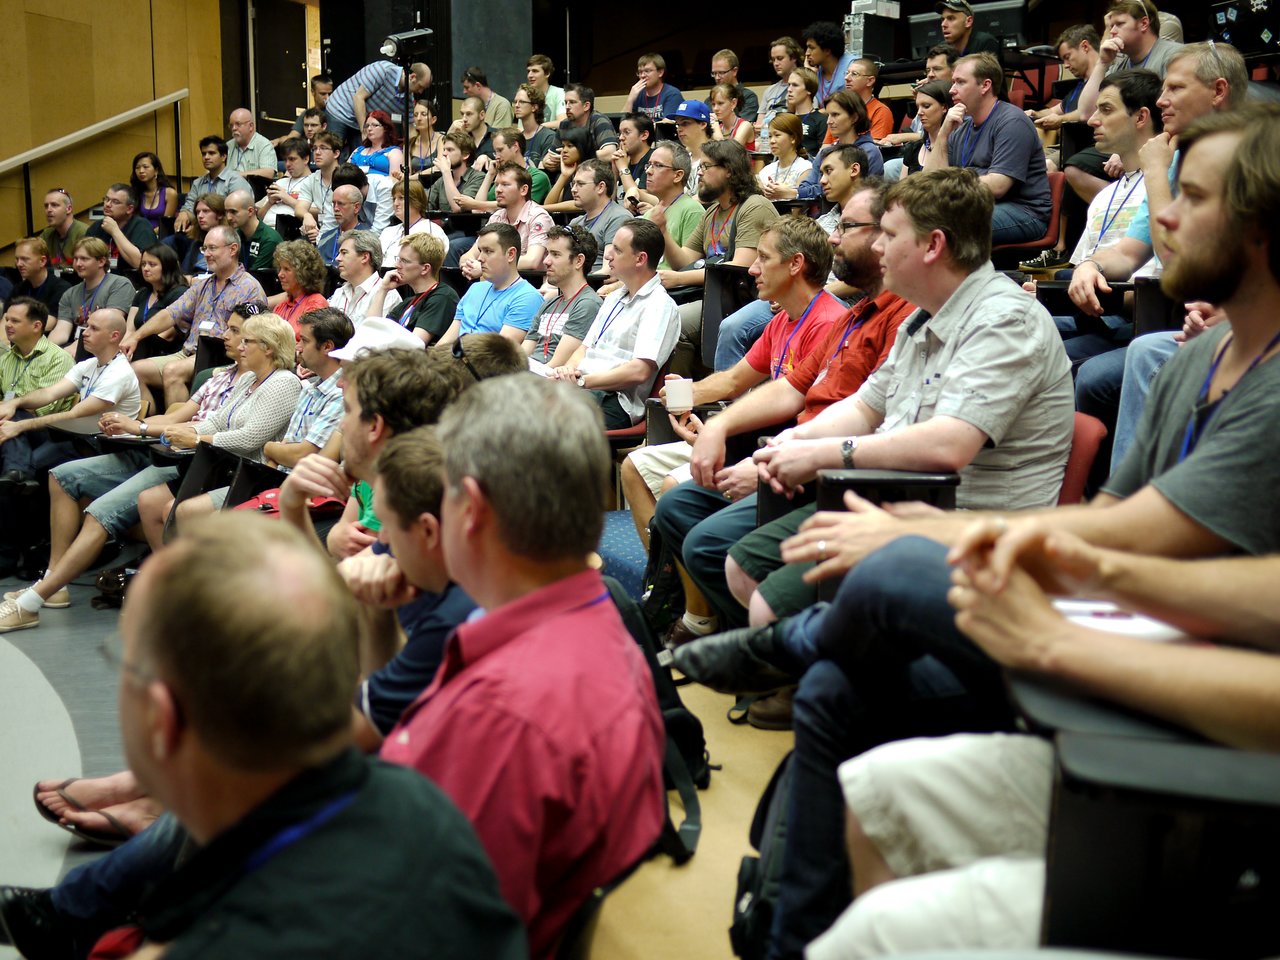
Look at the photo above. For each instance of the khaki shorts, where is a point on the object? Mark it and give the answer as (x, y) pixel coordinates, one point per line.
(656, 462)
(168, 358)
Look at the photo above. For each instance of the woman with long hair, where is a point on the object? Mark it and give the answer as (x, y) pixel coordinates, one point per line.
(410, 218)
(575, 146)
(162, 274)
(379, 151)
(424, 139)
(157, 199)
(778, 179)
(725, 122)
(210, 211)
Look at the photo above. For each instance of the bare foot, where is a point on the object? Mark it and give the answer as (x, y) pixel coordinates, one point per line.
(93, 794)
(132, 817)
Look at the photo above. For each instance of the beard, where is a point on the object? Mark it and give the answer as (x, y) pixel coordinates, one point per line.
(861, 274)
(1206, 271)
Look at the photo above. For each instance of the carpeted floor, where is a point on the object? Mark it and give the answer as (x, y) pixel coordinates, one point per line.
(58, 717)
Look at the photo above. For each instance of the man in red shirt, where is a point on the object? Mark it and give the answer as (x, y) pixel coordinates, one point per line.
(697, 519)
(542, 724)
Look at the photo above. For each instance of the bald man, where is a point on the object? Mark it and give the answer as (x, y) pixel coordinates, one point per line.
(258, 241)
(249, 153)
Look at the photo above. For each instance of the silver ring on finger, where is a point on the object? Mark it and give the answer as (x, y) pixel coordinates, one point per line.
(822, 550)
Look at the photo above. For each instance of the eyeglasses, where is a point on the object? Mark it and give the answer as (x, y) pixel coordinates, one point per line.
(655, 165)
(708, 165)
(402, 262)
(251, 341)
(1217, 58)
(460, 355)
(208, 248)
(846, 225)
(717, 74)
(112, 650)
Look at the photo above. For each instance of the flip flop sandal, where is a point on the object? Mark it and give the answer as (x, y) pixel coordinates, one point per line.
(117, 835)
(45, 811)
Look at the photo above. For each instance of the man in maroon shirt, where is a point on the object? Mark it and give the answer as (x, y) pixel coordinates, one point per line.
(542, 724)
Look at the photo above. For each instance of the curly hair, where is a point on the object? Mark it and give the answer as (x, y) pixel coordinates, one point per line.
(305, 262)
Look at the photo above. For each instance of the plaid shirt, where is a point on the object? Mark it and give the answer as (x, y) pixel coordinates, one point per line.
(213, 392)
(318, 411)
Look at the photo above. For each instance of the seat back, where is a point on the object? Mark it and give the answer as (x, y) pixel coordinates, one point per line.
(727, 289)
(1086, 437)
(1012, 252)
(210, 352)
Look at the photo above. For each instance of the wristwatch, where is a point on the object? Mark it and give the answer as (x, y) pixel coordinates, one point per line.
(142, 429)
(847, 446)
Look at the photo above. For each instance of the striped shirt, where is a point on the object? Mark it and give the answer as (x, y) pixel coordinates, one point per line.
(381, 79)
(318, 411)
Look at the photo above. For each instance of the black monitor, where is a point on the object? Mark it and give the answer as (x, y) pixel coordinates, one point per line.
(1252, 33)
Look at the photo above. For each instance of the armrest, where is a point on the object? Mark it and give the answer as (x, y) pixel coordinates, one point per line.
(1192, 771)
(887, 486)
(1048, 708)
(658, 427)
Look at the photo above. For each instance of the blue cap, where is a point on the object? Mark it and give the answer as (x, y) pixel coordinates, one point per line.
(690, 110)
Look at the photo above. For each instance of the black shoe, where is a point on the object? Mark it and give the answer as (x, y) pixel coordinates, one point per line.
(750, 660)
(30, 923)
(18, 482)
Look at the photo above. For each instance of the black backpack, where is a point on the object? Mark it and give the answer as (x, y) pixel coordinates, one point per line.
(759, 878)
(685, 766)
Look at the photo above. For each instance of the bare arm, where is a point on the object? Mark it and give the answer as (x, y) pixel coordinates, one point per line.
(620, 377)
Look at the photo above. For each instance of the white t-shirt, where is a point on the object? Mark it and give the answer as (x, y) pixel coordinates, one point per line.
(293, 187)
(116, 383)
(393, 234)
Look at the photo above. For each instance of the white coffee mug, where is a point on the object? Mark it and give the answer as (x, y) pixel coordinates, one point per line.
(679, 397)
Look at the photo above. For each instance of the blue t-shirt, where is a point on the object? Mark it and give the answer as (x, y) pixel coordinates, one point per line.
(1140, 225)
(486, 310)
(1005, 143)
(657, 106)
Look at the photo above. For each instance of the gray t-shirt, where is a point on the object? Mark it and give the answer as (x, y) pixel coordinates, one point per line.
(603, 226)
(1157, 61)
(1006, 143)
(115, 291)
(1227, 481)
(553, 321)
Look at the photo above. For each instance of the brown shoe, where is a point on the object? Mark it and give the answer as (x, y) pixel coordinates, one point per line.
(772, 712)
(678, 634)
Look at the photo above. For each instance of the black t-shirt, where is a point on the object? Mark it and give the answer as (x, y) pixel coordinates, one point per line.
(432, 312)
(50, 294)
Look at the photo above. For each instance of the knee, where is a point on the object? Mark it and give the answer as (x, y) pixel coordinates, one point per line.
(175, 375)
(742, 586)
(759, 612)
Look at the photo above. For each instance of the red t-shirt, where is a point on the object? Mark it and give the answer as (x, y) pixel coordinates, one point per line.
(294, 310)
(853, 350)
(781, 341)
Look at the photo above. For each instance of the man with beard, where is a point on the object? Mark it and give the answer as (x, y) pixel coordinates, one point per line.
(852, 351)
(1193, 485)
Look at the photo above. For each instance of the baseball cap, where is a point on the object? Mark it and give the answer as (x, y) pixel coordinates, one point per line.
(690, 110)
(961, 6)
(377, 333)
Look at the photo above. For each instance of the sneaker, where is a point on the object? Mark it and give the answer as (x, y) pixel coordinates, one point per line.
(59, 601)
(13, 617)
(1048, 260)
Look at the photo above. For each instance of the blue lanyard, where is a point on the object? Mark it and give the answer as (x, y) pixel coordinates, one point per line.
(786, 347)
(608, 320)
(88, 390)
(485, 304)
(245, 396)
(20, 372)
(290, 835)
(90, 301)
(1201, 412)
(1109, 218)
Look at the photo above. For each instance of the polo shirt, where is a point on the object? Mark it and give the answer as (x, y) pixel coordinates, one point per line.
(137, 231)
(258, 154)
(852, 350)
(483, 309)
(203, 309)
(353, 825)
(294, 310)
(382, 81)
(532, 223)
(627, 327)
(564, 791)
(318, 411)
(228, 181)
(44, 366)
(991, 357)
(785, 341)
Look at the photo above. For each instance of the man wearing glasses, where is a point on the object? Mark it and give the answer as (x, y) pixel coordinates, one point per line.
(201, 311)
(667, 176)
(724, 69)
(125, 233)
(860, 78)
(650, 94)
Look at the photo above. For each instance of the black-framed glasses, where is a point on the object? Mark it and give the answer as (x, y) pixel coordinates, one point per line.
(709, 165)
(846, 225)
(460, 355)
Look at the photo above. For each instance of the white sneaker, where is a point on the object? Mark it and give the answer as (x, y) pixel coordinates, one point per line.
(13, 617)
(58, 601)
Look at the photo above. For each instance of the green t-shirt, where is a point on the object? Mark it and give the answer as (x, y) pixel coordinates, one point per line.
(259, 253)
(537, 192)
(745, 226)
(682, 217)
(364, 499)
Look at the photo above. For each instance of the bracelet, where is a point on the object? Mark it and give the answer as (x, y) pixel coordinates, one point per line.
(1096, 265)
(142, 429)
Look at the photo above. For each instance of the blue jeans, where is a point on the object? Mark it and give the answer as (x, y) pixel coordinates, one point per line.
(1011, 223)
(739, 331)
(113, 481)
(34, 451)
(1143, 360)
(886, 663)
(700, 526)
(104, 892)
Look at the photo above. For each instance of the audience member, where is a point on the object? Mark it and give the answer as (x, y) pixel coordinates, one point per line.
(282, 194)
(30, 363)
(530, 108)
(724, 69)
(379, 151)
(846, 124)
(957, 30)
(778, 180)
(997, 141)
(517, 210)
(97, 289)
(473, 121)
(693, 127)
(302, 275)
(163, 285)
(157, 197)
(1078, 48)
(824, 54)
(249, 153)
(433, 305)
(313, 121)
(411, 218)
(31, 257)
(217, 178)
(517, 542)
(458, 178)
(785, 55)
(508, 147)
(802, 86)
(670, 168)
(258, 241)
(497, 108)
(562, 323)
(726, 124)
(579, 109)
(538, 71)
(593, 187)
(633, 333)
(636, 137)
(380, 85)
(651, 95)
(64, 229)
(321, 86)
(121, 228)
(359, 253)
(424, 138)
(314, 206)
(210, 212)
(201, 311)
(499, 300)
(861, 78)
(933, 100)
(347, 203)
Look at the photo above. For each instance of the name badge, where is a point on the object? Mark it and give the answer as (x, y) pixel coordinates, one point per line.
(397, 118)
(10, 394)
(206, 327)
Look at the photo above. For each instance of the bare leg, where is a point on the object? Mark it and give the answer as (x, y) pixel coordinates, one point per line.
(639, 498)
(154, 505)
(189, 510)
(65, 517)
(867, 865)
(177, 381)
(740, 585)
(74, 559)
